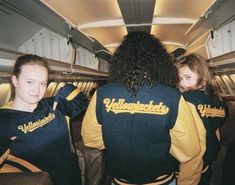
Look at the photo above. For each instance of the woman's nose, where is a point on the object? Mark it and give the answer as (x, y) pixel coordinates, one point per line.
(182, 83)
(36, 88)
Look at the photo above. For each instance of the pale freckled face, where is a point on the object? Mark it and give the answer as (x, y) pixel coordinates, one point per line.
(188, 79)
(31, 84)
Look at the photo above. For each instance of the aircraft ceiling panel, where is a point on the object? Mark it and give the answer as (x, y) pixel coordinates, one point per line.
(153, 16)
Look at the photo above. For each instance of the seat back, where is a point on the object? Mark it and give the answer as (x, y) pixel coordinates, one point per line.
(25, 178)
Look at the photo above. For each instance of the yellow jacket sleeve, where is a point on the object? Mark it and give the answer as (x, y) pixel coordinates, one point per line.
(188, 138)
(91, 130)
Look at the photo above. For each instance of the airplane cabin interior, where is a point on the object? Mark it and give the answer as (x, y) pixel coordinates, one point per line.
(78, 37)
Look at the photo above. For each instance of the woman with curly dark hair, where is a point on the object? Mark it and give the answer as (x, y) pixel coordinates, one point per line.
(139, 118)
(142, 59)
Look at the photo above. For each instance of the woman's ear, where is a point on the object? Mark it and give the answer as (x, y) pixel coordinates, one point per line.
(14, 80)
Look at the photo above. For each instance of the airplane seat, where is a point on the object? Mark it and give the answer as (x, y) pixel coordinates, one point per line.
(228, 128)
(228, 98)
(17, 171)
(5, 94)
(92, 165)
(76, 126)
(25, 178)
(82, 165)
(227, 136)
(76, 131)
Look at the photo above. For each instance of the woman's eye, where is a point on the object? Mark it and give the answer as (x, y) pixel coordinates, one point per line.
(43, 84)
(187, 77)
(29, 82)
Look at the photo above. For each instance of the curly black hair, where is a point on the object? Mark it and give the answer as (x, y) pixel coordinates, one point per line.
(141, 59)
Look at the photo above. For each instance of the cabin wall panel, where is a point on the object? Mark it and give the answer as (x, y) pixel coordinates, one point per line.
(38, 44)
(81, 57)
(65, 50)
(23, 49)
(233, 34)
(86, 59)
(223, 41)
(215, 45)
(46, 42)
(226, 34)
(28, 47)
(103, 65)
(94, 62)
(55, 49)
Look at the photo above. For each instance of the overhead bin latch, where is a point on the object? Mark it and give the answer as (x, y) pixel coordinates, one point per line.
(205, 16)
(69, 39)
(212, 34)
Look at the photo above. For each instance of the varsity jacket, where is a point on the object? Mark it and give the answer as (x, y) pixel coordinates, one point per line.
(43, 136)
(213, 112)
(9, 163)
(145, 135)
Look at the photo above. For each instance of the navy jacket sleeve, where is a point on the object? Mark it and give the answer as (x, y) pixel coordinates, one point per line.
(71, 101)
